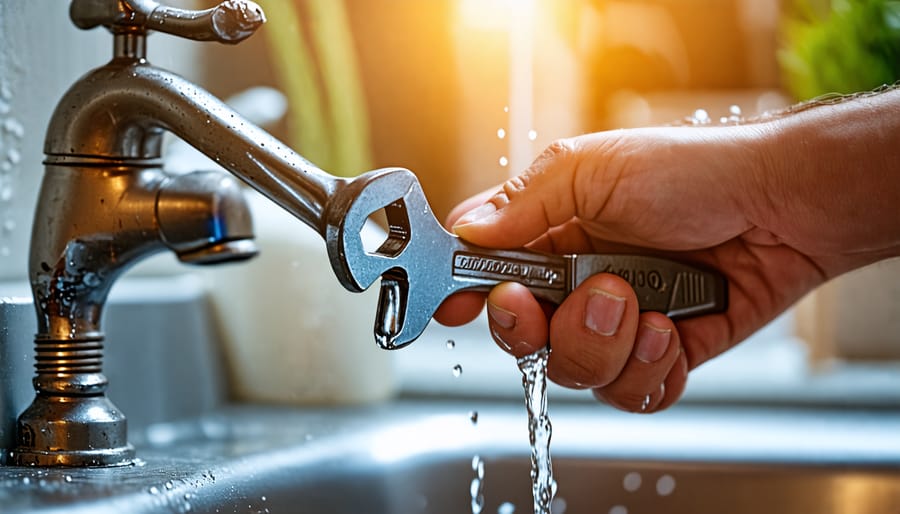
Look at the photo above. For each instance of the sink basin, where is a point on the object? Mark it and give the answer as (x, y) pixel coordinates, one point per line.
(416, 456)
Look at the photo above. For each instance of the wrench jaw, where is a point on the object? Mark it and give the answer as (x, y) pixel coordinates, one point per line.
(404, 262)
(347, 212)
(399, 320)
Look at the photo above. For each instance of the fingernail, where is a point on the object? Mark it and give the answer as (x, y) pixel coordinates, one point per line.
(501, 317)
(652, 343)
(603, 312)
(476, 214)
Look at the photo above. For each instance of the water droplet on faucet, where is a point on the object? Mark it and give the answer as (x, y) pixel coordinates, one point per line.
(457, 370)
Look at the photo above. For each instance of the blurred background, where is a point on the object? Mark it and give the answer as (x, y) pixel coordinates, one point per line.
(467, 92)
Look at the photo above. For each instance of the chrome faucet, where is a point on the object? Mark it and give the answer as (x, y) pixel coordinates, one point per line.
(105, 203)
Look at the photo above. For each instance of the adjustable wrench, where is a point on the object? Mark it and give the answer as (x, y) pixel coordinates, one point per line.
(420, 264)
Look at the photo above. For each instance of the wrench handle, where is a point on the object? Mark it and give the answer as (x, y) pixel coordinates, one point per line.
(672, 287)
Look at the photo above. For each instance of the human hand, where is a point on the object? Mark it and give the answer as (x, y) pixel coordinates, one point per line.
(740, 199)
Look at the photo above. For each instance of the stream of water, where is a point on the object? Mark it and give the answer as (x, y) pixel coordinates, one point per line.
(534, 380)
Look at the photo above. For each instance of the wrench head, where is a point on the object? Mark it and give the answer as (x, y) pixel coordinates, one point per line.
(413, 263)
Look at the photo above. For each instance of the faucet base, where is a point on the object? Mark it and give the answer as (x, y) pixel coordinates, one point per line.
(90, 428)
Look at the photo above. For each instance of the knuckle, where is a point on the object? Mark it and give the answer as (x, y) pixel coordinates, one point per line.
(559, 149)
(515, 186)
(560, 156)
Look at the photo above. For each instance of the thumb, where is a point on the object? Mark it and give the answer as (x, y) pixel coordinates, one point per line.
(526, 206)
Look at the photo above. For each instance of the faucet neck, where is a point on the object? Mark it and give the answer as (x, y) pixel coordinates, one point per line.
(130, 45)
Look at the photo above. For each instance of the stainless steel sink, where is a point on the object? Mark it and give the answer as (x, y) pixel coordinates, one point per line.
(416, 456)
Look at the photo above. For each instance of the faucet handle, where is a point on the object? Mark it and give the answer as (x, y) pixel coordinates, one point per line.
(232, 21)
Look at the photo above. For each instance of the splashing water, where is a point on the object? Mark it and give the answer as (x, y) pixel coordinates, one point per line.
(534, 380)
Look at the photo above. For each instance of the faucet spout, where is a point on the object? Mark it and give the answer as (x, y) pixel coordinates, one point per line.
(147, 100)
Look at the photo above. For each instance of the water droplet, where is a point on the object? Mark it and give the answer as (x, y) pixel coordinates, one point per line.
(532, 134)
(506, 508)
(451, 344)
(558, 506)
(734, 110)
(505, 108)
(645, 403)
(665, 485)
(91, 279)
(501, 133)
(153, 489)
(68, 479)
(169, 484)
(263, 498)
(632, 481)
(473, 417)
(700, 117)
(476, 488)
(504, 161)
(618, 509)
(14, 156)
(723, 120)
(26, 480)
(6, 193)
(457, 370)
(9, 225)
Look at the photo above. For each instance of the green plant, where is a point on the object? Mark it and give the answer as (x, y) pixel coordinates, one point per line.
(839, 46)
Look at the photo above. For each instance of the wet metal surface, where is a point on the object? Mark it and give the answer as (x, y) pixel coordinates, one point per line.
(416, 457)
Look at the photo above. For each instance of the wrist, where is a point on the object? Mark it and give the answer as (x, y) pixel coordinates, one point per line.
(830, 174)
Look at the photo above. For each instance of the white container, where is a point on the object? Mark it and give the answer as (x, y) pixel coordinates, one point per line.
(292, 334)
(854, 316)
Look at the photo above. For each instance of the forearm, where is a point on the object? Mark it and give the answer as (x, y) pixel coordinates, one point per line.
(832, 180)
